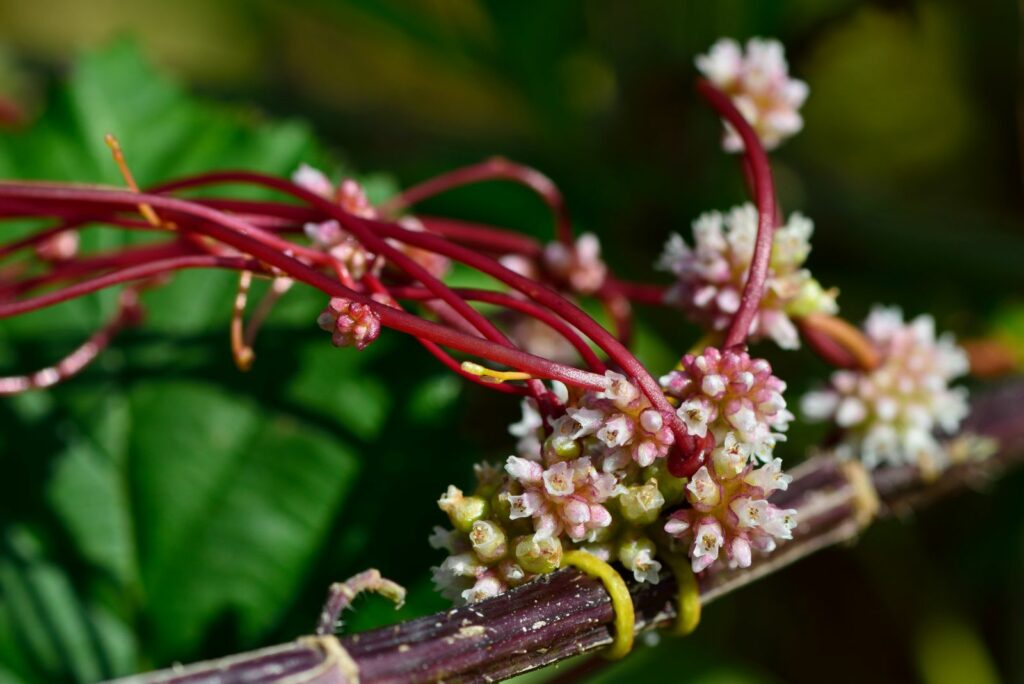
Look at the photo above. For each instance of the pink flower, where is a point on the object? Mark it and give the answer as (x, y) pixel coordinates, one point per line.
(759, 84)
(620, 426)
(728, 393)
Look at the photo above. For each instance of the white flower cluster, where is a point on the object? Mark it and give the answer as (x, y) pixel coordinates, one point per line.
(891, 414)
(729, 509)
(759, 84)
(711, 275)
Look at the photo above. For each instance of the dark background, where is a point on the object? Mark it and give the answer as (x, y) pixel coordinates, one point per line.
(164, 507)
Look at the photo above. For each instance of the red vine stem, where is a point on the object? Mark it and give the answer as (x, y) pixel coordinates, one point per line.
(240, 235)
(76, 361)
(366, 228)
(764, 197)
(495, 168)
(522, 306)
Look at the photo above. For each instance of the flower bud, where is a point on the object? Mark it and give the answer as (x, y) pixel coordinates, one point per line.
(673, 489)
(462, 510)
(637, 554)
(539, 555)
(641, 504)
(489, 540)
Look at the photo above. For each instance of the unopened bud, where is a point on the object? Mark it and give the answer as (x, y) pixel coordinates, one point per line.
(489, 540)
(539, 555)
(641, 504)
(462, 510)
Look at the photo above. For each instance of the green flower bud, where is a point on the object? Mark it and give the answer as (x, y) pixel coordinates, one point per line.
(539, 556)
(672, 488)
(636, 553)
(561, 447)
(489, 541)
(812, 298)
(463, 510)
(641, 504)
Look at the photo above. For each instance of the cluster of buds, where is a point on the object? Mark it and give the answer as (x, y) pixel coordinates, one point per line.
(729, 509)
(711, 275)
(725, 393)
(890, 414)
(351, 324)
(759, 84)
(489, 551)
(618, 426)
(578, 266)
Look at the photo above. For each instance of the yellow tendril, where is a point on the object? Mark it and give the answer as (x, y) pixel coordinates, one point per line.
(146, 210)
(687, 593)
(622, 602)
(495, 376)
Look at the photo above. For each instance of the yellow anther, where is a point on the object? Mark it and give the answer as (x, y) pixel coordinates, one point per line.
(146, 210)
(492, 375)
(687, 593)
(622, 602)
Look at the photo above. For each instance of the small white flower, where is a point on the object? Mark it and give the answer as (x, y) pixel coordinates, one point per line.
(705, 491)
(695, 414)
(707, 540)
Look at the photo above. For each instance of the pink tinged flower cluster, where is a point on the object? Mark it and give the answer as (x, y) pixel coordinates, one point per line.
(329, 235)
(758, 81)
(350, 323)
(732, 397)
(711, 275)
(892, 414)
(729, 514)
(567, 497)
(579, 266)
(619, 426)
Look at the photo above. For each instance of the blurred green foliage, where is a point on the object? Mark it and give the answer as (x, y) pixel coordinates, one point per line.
(164, 507)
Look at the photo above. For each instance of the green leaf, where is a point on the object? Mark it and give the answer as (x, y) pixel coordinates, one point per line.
(334, 381)
(57, 634)
(231, 508)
